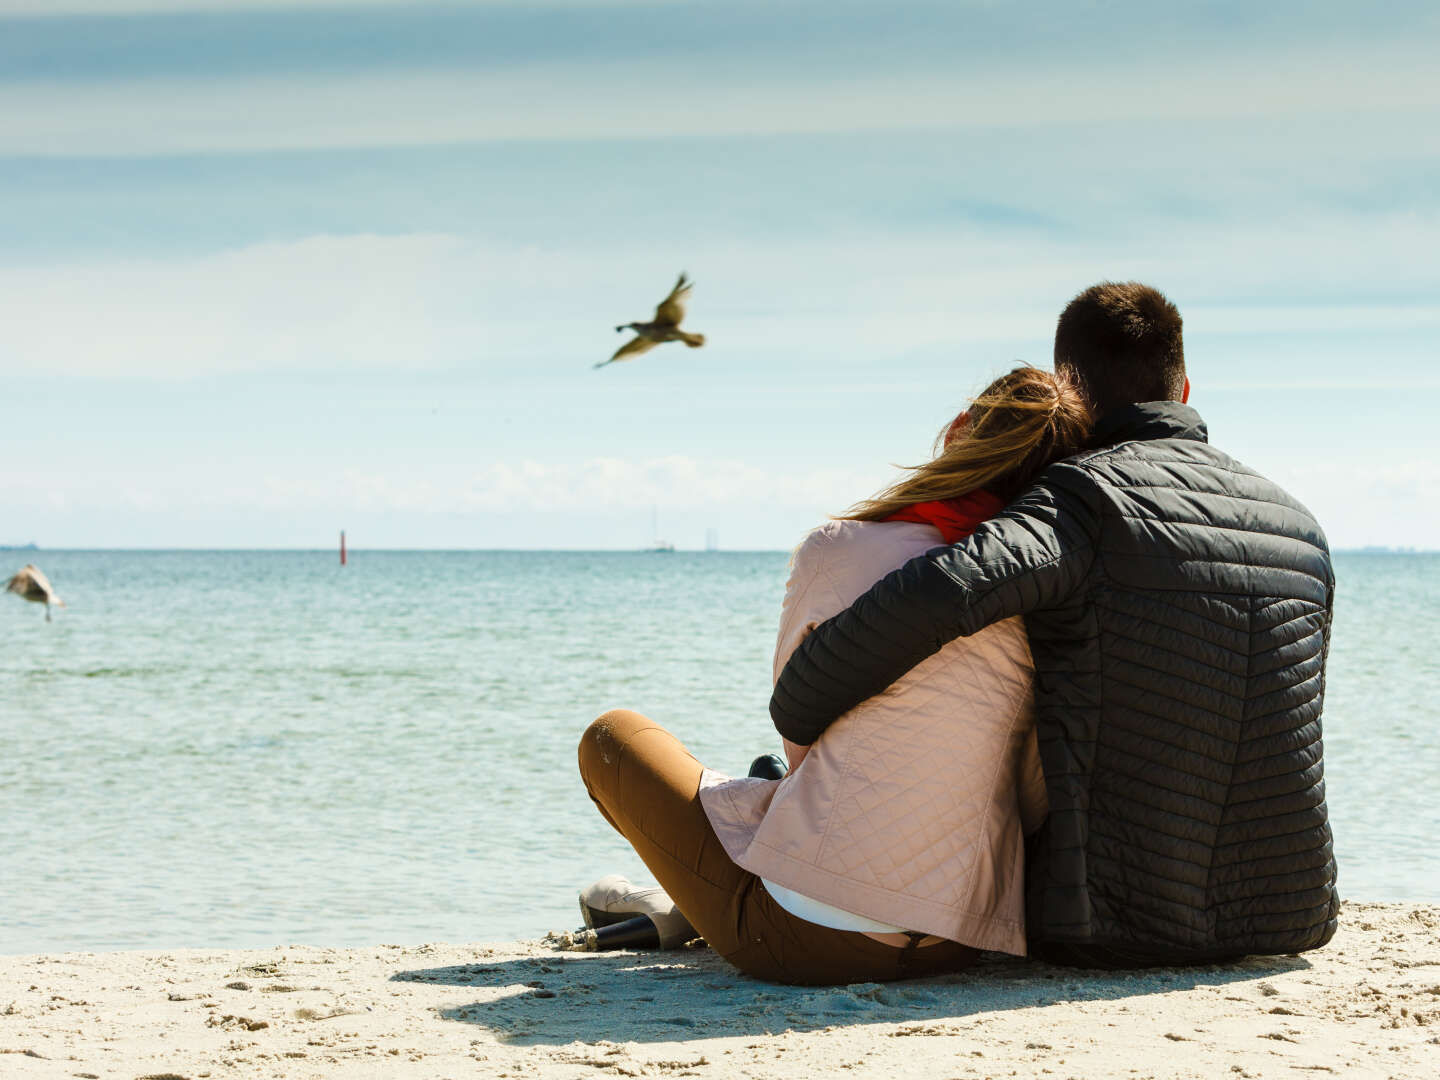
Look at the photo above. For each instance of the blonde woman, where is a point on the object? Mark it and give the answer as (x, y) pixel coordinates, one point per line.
(894, 847)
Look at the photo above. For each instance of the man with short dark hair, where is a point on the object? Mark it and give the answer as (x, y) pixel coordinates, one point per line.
(1178, 609)
(1122, 344)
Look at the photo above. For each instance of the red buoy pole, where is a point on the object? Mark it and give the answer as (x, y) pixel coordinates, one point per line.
(342, 547)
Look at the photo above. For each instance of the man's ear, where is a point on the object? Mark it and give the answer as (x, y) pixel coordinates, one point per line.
(1185, 394)
(957, 427)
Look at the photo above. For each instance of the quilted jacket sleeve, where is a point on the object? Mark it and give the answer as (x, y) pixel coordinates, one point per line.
(802, 609)
(1034, 554)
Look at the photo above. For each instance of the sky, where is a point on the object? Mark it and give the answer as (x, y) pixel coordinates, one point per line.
(269, 270)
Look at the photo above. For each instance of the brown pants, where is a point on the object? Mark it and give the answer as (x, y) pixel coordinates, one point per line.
(647, 785)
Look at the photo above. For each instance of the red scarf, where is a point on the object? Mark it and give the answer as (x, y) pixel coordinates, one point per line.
(955, 518)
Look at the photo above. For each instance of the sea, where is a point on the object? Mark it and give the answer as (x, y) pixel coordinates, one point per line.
(252, 748)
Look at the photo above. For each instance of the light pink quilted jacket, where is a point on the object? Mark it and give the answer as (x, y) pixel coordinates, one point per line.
(911, 809)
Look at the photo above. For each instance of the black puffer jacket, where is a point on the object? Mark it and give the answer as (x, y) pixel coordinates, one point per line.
(1178, 608)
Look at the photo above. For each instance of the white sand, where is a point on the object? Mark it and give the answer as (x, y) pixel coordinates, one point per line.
(1367, 1005)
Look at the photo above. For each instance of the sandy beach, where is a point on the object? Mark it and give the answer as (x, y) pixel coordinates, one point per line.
(1367, 1005)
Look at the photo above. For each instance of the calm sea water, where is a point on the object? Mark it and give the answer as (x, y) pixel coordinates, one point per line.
(256, 748)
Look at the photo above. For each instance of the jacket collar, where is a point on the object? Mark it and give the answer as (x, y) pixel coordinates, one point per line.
(1149, 420)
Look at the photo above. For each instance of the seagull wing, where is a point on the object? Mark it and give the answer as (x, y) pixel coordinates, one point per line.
(41, 582)
(671, 311)
(32, 584)
(633, 347)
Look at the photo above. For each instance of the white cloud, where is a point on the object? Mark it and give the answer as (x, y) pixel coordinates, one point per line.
(1373, 502)
(417, 302)
(707, 97)
(1357, 504)
(675, 482)
(328, 302)
(437, 302)
(1313, 318)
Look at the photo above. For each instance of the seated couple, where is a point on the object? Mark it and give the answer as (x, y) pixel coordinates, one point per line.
(1056, 692)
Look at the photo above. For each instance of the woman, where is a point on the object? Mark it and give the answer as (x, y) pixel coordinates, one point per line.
(894, 846)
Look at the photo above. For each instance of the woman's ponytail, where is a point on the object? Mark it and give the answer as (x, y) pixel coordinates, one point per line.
(1021, 423)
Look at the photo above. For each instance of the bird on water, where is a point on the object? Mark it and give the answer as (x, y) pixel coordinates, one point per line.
(665, 326)
(32, 584)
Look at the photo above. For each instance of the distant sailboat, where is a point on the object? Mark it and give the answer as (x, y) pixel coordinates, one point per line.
(657, 545)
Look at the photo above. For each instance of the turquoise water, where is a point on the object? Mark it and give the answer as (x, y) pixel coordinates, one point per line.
(256, 748)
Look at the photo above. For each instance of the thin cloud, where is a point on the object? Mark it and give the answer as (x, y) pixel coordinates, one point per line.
(607, 100)
(1359, 504)
(1371, 502)
(676, 482)
(435, 301)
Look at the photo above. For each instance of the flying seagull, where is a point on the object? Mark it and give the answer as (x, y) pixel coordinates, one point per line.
(664, 327)
(33, 585)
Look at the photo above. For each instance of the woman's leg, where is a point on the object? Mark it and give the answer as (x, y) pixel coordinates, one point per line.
(647, 785)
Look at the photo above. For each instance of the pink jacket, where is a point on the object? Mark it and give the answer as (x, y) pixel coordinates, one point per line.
(911, 809)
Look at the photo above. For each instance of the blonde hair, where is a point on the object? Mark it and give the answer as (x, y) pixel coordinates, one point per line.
(1018, 425)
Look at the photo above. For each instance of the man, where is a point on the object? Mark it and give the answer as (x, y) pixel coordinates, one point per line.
(1178, 610)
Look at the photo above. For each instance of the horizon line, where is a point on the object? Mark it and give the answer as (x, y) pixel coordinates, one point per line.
(1364, 549)
(350, 549)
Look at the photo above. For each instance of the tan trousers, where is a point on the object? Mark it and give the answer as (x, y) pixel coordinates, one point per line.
(647, 785)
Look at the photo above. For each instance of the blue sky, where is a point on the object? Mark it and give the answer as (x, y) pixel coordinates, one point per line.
(270, 270)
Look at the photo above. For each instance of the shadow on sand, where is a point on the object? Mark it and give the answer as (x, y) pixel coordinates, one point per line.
(561, 998)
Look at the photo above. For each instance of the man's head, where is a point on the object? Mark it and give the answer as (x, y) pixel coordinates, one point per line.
(1121, 343)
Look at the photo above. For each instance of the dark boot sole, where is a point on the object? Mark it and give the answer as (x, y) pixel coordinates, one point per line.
(595, 918)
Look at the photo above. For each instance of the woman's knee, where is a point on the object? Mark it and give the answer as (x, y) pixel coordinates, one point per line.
(601, 745)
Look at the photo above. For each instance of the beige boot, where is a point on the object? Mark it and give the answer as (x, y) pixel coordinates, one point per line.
(613, 900)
